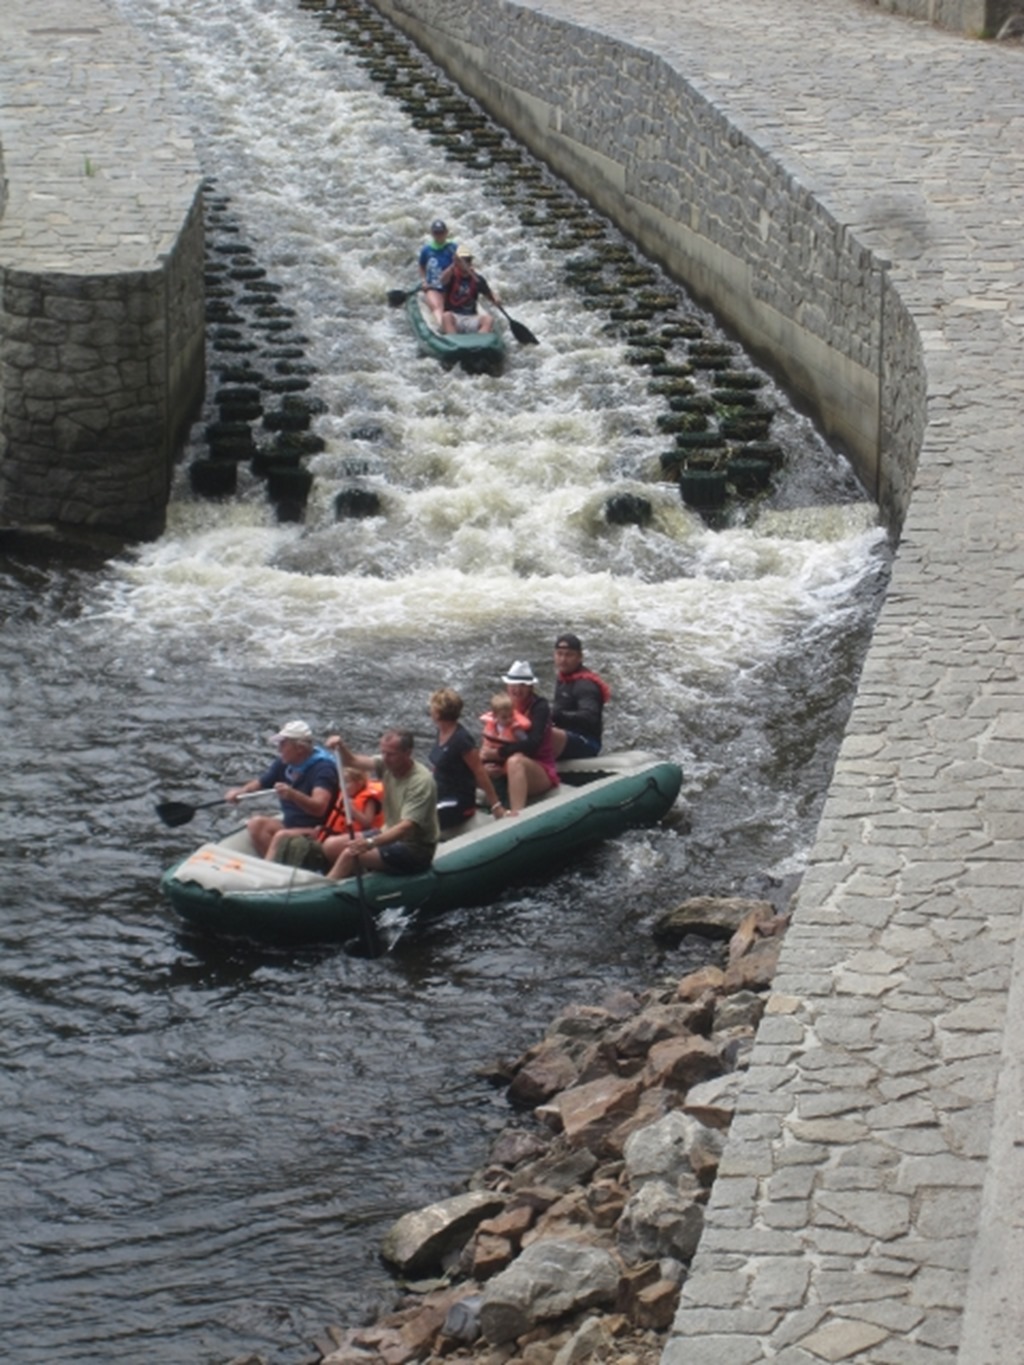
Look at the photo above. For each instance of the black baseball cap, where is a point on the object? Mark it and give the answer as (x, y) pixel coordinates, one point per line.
(569, 641)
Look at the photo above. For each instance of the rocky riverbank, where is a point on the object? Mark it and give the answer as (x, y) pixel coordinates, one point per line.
(573, 1241)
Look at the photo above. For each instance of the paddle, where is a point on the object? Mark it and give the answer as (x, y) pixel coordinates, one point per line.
(371, 938)
(396, 297)
(175, 813)
(519, 331)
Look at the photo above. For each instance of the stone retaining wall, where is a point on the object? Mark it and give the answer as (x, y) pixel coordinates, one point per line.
(813, 304)
(101, 273)
(978, 18)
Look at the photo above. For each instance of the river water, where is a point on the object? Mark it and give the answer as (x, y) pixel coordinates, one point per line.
(204, 1143)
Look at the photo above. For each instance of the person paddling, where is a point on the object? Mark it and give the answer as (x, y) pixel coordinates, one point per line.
(305, 778)
(463, 287)
(407, 843)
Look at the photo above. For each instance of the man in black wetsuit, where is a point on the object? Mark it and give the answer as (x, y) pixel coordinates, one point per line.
(578, 703)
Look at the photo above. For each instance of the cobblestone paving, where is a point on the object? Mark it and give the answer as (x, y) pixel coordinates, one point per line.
(871, 1204)
(100, 170)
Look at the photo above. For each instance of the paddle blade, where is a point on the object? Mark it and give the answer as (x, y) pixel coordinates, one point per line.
(396, 297)
(522, 334)
(175, 813)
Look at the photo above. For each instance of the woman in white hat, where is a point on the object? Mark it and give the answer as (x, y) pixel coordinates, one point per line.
(530, 761)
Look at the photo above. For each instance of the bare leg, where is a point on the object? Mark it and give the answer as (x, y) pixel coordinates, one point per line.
(486, 323)
(435, 302)
(279, 838)
(558, 740)
(526, 778)
(262, 829)
(348, 863)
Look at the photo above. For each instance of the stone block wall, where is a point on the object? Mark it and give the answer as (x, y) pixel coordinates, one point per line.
(723, 215)
(102, 305)
(978, 18)
(101, 375)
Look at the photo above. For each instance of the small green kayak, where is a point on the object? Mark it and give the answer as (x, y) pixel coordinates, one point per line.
(474, 351)
(224, 889)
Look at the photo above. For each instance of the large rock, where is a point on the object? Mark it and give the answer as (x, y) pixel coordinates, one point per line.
(714, 1102)
(548, 1280)
(544, 1071)
(659, 1221)
(559, 1169)
(638, 1035)
(661, 1151)
(419, 1242)
(678, 1063)
(587, 1113)
(708, 916)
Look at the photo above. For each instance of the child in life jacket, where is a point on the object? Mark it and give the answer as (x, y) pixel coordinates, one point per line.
(300, 847)
(503, 724)
(366, 798)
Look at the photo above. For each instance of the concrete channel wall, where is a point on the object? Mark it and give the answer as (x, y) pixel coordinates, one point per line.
(720, 213)
(102, 361)
(976, 18)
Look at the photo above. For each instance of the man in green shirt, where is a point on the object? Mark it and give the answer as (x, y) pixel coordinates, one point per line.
(409, 838)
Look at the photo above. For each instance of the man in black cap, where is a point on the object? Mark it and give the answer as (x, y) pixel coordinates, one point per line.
(578, 703)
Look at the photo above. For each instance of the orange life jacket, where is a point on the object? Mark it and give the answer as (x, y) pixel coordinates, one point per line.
(337, 822)
(495, 732)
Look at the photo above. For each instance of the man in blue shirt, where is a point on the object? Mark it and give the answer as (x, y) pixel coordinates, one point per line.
(305, 778)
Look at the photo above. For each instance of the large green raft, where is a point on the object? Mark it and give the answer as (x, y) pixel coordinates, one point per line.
(474, 351)
(223, 889)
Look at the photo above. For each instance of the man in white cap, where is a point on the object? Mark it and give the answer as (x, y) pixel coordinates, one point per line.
(463, 286)
(305, 778)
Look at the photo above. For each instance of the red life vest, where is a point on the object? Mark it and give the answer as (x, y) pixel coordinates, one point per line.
(585, 673)
(337, 821)
(461, 293)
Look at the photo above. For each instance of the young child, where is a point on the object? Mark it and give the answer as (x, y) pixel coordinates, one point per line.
(366, 798)
(300, 847)
(503, 724)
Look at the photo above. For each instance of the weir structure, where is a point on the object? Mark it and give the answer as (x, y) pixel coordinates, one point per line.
(845, 189)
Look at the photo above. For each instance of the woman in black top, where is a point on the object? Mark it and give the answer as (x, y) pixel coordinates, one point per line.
(458, 769)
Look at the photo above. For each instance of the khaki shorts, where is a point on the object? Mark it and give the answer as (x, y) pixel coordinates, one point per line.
(467, 322)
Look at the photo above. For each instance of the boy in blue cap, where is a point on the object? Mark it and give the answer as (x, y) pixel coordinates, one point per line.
(435, 260)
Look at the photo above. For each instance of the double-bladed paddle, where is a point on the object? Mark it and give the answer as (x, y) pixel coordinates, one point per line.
(176, 813)
(519, 331)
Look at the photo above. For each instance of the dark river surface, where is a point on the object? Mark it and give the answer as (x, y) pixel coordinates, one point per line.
(203, 1144)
